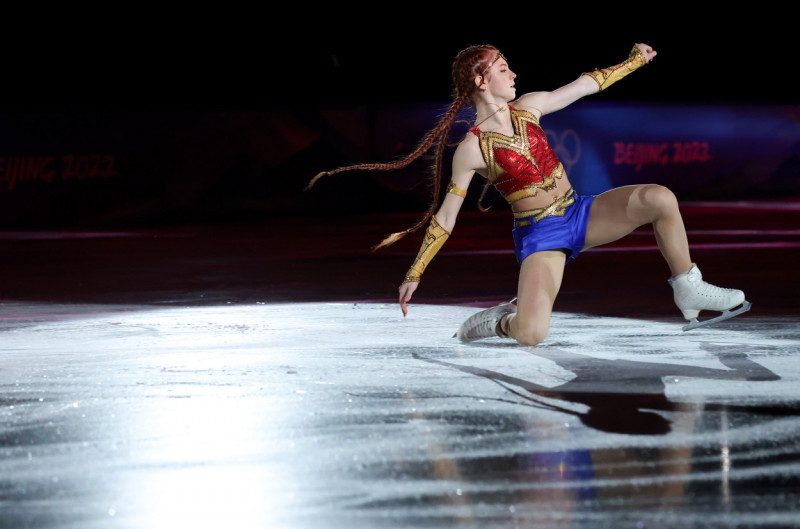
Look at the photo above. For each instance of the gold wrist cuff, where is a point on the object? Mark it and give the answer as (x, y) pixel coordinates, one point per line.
(453, 188)
(435, 237)
(608, 76)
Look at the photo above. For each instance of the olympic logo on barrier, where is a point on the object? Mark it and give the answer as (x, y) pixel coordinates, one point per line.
(566, 145)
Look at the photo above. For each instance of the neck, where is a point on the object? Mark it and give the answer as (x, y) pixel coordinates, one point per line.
(495, 112)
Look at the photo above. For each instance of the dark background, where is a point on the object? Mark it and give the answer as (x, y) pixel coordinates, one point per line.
(205, 196)
(262, 56)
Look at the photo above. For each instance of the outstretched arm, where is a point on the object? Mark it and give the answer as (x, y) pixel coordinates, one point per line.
(588, 83)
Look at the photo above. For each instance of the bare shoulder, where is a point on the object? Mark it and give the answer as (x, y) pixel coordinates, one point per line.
(533, 102)
(468, 154)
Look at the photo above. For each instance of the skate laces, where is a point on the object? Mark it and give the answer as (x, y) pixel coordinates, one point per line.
(704, 288)
(484, 323)
(480, 330)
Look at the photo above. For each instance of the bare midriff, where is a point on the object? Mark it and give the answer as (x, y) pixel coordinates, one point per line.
(544, 197)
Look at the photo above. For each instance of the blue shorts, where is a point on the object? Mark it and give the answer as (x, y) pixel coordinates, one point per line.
(567, 233)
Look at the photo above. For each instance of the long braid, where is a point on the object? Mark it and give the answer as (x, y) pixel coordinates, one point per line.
(422, 147)
(440, 132)
(469, 63)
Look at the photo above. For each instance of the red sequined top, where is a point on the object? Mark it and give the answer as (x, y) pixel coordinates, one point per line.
(522, 164)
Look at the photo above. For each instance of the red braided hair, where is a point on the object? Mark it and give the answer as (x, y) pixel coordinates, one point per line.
(469, 63)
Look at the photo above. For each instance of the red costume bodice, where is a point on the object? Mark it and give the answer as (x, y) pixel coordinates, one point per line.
(522, 164)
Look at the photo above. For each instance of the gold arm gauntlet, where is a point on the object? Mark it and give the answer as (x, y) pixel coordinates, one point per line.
(435, 237)
(608, 76)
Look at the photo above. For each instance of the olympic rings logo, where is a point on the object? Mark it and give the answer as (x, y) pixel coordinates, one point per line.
(567, 147)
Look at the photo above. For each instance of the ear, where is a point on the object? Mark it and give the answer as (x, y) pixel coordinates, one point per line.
(480, 81)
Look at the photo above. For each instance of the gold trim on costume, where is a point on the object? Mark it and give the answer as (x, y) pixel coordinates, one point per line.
(556, 209)
(607, 76)
(435, 237)
(558, 172)
(452, 188)
(520, 144)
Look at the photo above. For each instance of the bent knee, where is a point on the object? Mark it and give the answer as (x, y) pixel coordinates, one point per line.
(530, 335)
(659, 197)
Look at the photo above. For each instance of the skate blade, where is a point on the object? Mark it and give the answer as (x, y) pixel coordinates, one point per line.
(694, 323)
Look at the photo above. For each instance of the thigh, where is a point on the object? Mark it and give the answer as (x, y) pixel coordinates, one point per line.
(539, 282)
(619, 211)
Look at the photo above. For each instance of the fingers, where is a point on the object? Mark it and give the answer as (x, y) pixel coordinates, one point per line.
(406, 291)
(403, 300)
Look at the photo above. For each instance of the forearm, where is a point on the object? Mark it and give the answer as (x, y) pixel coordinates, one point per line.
(605, 77)
(432, 242)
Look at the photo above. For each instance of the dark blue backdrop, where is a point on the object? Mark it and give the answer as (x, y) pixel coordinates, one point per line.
(61, 168)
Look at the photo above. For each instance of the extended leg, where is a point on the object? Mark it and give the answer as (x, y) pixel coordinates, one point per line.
(619, 211)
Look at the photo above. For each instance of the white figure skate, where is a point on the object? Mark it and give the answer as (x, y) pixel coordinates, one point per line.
(692, 295)
(485, 324)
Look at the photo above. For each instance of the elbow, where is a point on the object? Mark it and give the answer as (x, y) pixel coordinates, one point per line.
(446, 221)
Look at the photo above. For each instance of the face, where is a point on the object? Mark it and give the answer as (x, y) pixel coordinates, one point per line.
(500, 79)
